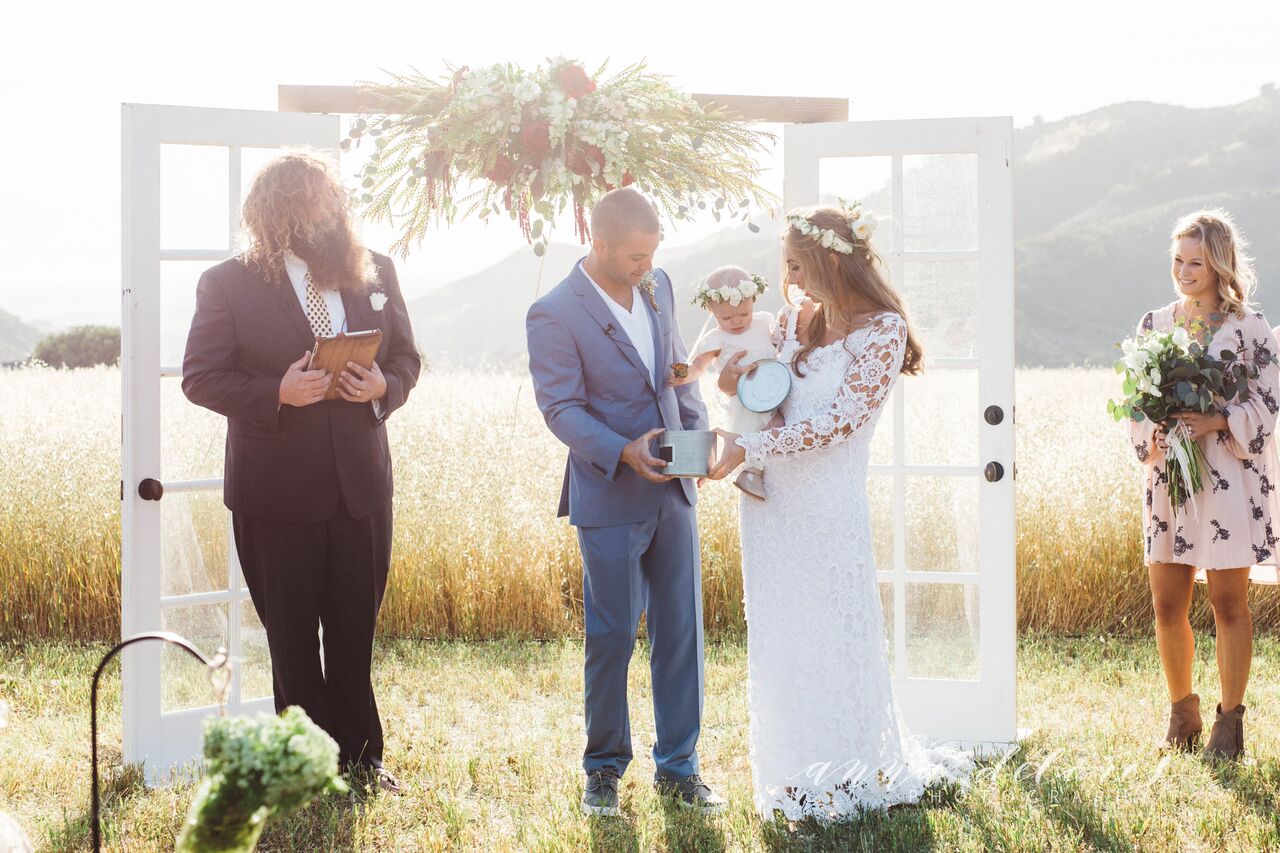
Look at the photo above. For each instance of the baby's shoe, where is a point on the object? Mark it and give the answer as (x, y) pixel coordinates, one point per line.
(751, 481)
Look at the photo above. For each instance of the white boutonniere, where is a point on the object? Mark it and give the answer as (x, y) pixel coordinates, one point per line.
(378, 300)
(647, 284)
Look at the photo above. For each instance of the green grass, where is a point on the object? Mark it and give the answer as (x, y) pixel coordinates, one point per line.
(487, 737)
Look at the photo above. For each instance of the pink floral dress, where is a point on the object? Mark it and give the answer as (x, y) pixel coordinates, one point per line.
(1235, 524)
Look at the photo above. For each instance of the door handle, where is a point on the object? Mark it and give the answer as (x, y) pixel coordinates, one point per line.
(994, 472)
(150, 489)
(993, 415)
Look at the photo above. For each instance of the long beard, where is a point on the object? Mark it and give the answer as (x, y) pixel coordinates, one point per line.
(334, 259)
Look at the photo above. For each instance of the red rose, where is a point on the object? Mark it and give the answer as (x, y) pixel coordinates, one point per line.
(580, 163)
(628, 179)
(502, 170)
(575, 82)
(536, 138)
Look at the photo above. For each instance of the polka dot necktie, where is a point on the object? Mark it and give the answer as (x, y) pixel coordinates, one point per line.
(317, 311)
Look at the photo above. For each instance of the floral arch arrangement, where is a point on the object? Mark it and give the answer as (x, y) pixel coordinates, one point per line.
(532, 144)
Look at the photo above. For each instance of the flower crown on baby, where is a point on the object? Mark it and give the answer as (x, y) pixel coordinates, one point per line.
(748, 288)
(862, 225)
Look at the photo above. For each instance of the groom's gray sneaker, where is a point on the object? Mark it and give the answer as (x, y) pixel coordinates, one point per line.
(690, 792)
(600, 796)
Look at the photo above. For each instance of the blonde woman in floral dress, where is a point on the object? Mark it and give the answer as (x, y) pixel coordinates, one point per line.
(1231, 534)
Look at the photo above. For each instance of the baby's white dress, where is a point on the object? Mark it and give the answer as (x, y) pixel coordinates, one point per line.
(756, 342)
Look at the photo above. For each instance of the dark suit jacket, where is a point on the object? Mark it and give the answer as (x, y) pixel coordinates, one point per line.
(288, 464)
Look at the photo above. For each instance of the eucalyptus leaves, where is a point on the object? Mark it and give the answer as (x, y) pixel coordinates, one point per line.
(530, 145)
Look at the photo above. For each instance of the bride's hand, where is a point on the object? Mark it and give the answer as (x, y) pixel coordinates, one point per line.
(728, 382)
(731, 458)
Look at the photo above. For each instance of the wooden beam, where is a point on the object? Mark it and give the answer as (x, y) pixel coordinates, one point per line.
(754, 108)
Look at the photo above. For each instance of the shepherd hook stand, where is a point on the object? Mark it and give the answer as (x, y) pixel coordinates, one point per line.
(219, 667)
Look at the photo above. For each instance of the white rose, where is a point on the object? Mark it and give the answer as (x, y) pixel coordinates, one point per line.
(748, 288)
(378, 301)
(735, 296)
(864, 227)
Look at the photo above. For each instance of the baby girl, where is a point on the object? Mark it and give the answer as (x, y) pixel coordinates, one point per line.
(730, 294)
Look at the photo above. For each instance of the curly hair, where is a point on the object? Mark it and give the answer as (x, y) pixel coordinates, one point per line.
(860, 273)
(274, 219)
(1224, 252)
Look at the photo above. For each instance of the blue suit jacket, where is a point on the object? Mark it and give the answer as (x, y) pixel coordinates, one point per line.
(596, 396)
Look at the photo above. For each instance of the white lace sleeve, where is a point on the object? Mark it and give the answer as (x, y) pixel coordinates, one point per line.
(866, 386)
(778, 328)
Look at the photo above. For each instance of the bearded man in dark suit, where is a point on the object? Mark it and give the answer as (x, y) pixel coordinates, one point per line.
(308, 481)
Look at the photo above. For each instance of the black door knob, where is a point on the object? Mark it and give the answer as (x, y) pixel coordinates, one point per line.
(993, 415)
(150, 490)
(994, 472)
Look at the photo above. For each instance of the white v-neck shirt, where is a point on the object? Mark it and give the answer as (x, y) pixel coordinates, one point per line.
(637, 324)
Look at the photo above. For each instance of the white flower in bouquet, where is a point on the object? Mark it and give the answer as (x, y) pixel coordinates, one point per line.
(526, 91)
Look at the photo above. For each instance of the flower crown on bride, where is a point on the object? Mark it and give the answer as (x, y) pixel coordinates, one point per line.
(861, 224)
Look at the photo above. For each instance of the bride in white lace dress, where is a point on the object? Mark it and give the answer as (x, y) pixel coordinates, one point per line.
(826, 737)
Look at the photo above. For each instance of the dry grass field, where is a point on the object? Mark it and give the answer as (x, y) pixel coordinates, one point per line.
(478, 550)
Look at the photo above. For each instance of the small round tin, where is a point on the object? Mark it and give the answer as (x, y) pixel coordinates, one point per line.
(764, 389)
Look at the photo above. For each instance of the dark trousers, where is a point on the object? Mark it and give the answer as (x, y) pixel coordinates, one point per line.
(327, 575)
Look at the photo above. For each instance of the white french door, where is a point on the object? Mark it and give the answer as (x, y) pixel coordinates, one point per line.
(184, 173)
(941, 482)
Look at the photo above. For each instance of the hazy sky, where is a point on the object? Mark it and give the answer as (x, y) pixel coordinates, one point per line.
(66, 70)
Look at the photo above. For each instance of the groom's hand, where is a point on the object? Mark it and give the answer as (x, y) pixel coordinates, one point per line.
(636, 454)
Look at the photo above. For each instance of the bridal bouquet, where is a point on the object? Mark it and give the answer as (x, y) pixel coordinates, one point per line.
(255, 769)
(1170, 372)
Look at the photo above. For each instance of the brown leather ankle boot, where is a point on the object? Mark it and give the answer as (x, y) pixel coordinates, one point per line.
(1185, 724)
(1226, 738)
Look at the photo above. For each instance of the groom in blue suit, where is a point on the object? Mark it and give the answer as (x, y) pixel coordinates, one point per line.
(601, 345)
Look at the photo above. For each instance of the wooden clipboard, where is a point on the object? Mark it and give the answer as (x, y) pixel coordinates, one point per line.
(332, 355)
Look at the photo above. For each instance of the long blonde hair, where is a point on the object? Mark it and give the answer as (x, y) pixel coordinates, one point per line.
(860, 273)
(273, 223)
(1223, 247)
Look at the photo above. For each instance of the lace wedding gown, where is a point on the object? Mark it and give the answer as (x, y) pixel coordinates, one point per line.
(826, 736)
